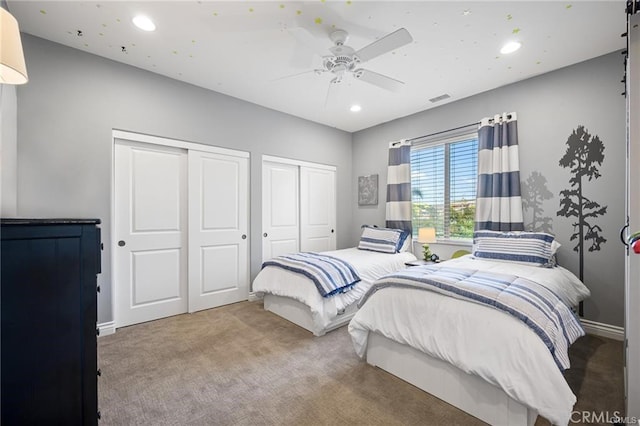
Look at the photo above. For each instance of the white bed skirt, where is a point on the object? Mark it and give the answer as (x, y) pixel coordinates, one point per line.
(467, 392)
(300, 314)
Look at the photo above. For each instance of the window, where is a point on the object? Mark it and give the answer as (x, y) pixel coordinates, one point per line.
(443, 185)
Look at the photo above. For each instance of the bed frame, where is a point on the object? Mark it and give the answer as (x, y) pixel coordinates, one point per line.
(467, 392)
(300, 314)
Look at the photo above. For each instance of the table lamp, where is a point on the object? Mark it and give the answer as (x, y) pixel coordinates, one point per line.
(426, 236)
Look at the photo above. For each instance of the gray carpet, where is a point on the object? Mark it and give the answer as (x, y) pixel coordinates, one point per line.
(240, 365)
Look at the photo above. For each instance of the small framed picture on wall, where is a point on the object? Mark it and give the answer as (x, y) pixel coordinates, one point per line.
(368, 190)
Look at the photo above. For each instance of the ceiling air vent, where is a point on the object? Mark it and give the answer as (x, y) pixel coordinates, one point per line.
(439, 98)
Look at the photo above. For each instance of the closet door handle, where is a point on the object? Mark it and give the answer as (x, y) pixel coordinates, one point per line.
(121, 243)
(265, 235)
(244, 237)
(332, 231)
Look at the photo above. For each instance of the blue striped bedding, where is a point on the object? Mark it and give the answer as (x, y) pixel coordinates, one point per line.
(526, 247)
(535, 305)
(330, 274)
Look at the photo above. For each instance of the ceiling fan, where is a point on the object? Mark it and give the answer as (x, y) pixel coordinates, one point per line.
(346, 60)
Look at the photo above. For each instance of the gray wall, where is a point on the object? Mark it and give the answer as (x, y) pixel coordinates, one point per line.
(73, 101)
(549, 108)
(8, 150)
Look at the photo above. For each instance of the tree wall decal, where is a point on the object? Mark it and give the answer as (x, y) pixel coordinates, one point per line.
(584, 154)
(534, 193)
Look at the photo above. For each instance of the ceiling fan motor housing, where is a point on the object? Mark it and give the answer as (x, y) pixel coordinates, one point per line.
(339, 63)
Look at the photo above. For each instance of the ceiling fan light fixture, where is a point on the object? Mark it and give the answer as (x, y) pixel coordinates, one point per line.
(144, 23)
(355, 108)
(510, 47)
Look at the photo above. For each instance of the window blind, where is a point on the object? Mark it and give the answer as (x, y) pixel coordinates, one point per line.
(443, 183)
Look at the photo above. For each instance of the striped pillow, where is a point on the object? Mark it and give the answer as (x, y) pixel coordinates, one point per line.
(383, 240)
(534, 248)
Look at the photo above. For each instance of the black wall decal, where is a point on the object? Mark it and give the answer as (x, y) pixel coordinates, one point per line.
(534, 193)
(585, 153)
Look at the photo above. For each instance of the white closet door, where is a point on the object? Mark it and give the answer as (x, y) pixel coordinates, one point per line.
(280, 210)
(151, 230)
(218, 229)
(317, 209)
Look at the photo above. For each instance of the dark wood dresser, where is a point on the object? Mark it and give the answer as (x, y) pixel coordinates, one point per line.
(49, 312)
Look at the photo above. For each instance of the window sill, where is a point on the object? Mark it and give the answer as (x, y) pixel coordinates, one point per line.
(461, 243)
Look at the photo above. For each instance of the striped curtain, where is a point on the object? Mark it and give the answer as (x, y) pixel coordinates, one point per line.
(399, 186)
(498, 202)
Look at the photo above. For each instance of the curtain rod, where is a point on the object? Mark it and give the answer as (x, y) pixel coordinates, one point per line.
(443, 131)
(491, 120)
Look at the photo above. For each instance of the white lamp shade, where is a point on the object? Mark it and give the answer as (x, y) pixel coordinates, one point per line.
(12, 67)
(427, 235)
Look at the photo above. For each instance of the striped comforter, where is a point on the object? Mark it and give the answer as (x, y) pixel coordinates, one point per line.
(535, 305)
(330, 274)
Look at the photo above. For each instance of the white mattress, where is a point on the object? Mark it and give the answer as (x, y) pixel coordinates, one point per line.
(479, 340)
(369, 265)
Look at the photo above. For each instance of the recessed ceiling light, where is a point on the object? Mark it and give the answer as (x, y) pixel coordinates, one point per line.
(144, 23)
(355, 108)
(510, 47)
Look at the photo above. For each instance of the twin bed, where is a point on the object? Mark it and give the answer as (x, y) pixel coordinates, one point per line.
(482, 360)
(450, 329)
(295, 297)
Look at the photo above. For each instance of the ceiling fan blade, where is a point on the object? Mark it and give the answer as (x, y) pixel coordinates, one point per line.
(386, 44)
(316, 71)
(304, 37)
(326, 98)
(379, 80)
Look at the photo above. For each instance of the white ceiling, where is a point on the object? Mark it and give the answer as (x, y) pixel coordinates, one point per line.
(244, 49)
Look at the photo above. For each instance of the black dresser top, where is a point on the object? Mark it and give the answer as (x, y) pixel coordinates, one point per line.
(47, 221)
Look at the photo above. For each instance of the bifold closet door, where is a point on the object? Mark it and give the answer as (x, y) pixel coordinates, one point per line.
(151, 232)
(280, 209)
(218, 229)
(317, 209)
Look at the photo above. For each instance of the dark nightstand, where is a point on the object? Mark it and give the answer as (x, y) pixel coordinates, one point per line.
(419, 262)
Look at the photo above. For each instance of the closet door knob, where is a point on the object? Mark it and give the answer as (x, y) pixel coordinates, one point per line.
(244, 237)
(332, 231)
(121, 243)
(265, 235)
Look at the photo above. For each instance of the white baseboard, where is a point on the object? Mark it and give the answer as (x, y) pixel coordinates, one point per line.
(107, 328)
(603, 330)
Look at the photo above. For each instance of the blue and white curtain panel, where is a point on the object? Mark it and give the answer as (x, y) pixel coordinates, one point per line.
(399, 186)
(499, 201)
